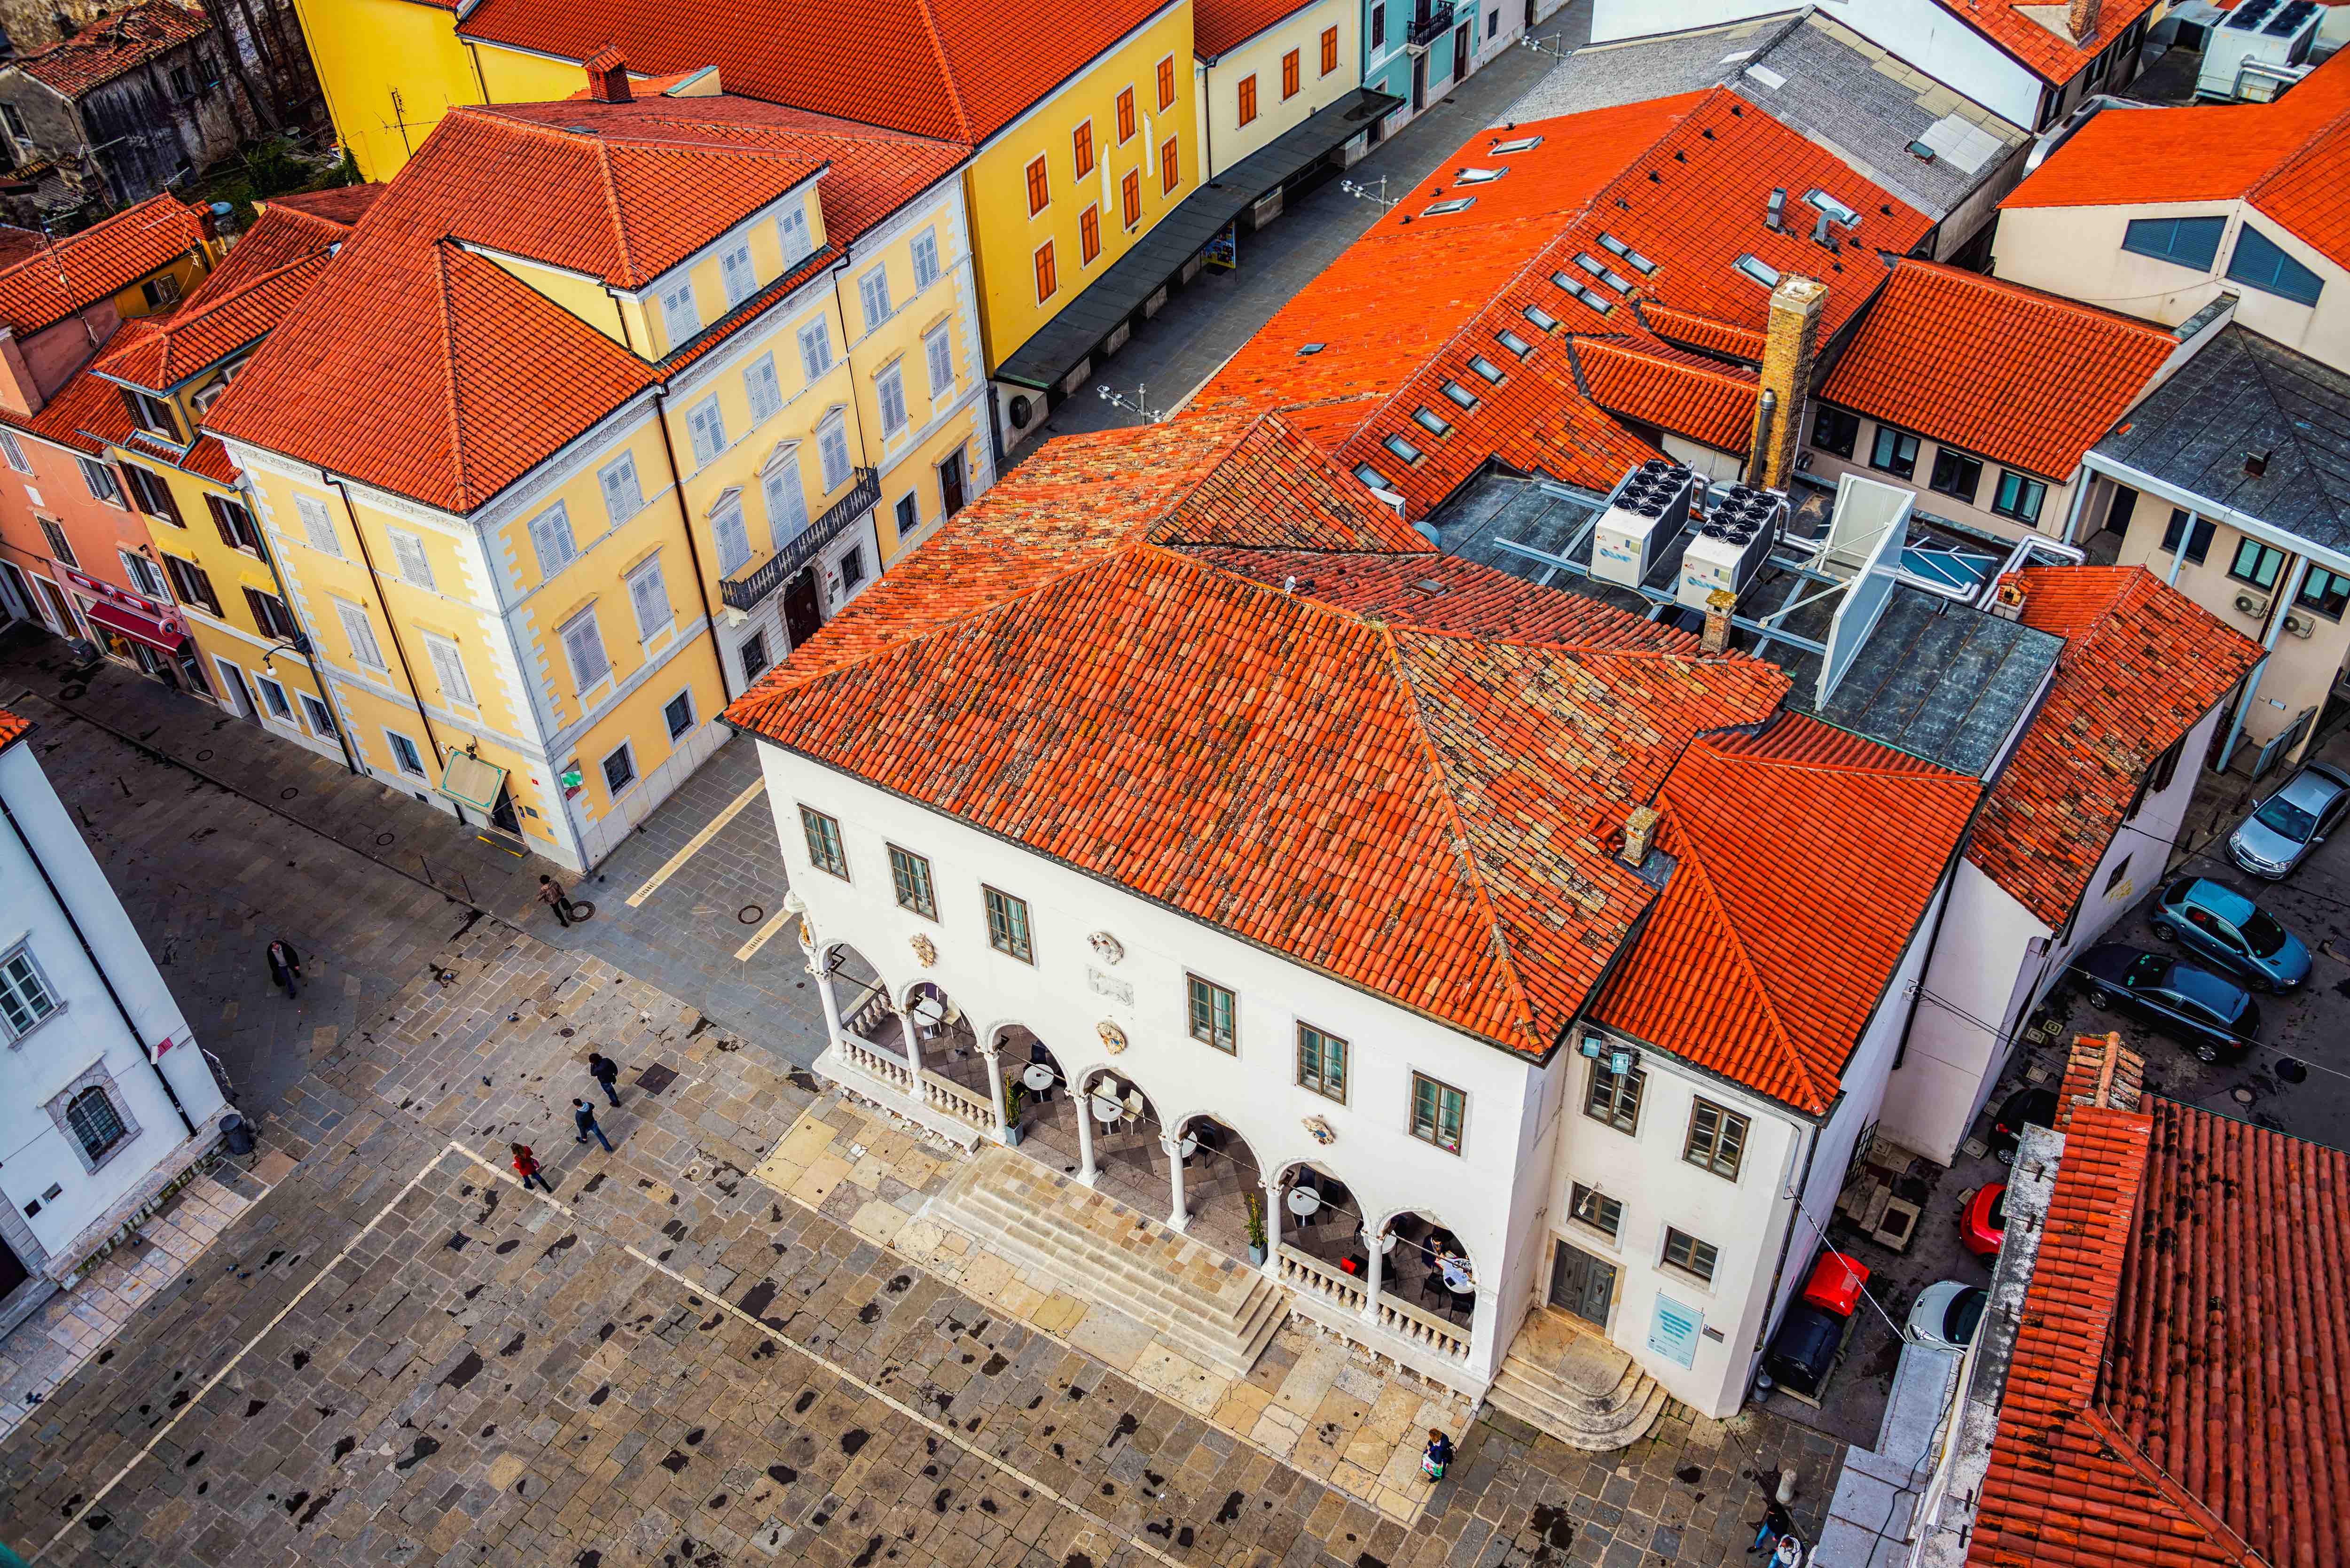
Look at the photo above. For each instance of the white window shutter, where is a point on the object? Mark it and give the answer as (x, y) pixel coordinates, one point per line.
(585, 645)
(649, 595)
(408, 553)
(359, 634)
(832, 453)
(797, 238)
(940, 350)
(550, 535)
(449, 667)
(681, 317)
(623, 495)
(733, 539)
(736, 271)
(889, 387)
(766, 393)
(787, 514)
(316, 526)
(707, 427)
(815, 348)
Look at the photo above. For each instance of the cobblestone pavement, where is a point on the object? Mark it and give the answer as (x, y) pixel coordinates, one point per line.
(400, 1357)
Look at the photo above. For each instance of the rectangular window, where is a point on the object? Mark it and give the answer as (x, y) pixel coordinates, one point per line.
(2256, 563)
(316, 526)
(154, 415)
(681, 317)
(786, 497)
(1437, 1113)
(1130, 192)
(583, 647)
(676, 714)
(815, 348)
(1717, 1139)
(550, 538)
(798, 240)
(2326, 592)
(852, 566)
(449, 666)
(734, 537)
(409, 559)
(1166, 161)
(1587, 1206)
(1048, 281)
(648, 596)
(1835, 430)
(1321, 1063)
(764, 389)
(2189, 242)
(357, 630)
(619, 770)
(99, 478)
(1956, 475)
(925, 250)
(95, 1124)
(753, 653)
(1166, 83)
(1329, 50)
(1214, 1014)
(192, 584)
(1289, 74)
(2114, 880)
(273, 619)
(1378, 27)
(1007, 925)
(2018, 496)
(1125, 116)
(1089, 235)
(890, 392)
(234, 525)
(404, 752)
(1689, 1255)
(2260, 263)
(740, 279)
(322, 721)
(873, 296)
(1248, 98)
(151, 494)
(938, 355)
(2199, 541)
(1615, 1097)
(832, 453)
(1081, 150)
(910, 877)
(60, 550)
(15, 452)
(824, 843)
(624, 494)
(705, 423)
(1040, 186)
(1895, 452)
(144, 576)
(273, 696)
(908, 514)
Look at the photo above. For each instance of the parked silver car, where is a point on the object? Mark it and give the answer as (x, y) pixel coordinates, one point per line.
(2291, 822)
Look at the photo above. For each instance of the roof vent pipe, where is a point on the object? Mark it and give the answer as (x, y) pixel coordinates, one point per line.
(1820, 230)
(1774, 220)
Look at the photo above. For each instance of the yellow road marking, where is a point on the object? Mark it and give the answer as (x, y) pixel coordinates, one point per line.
(694, 845)
(774, 923)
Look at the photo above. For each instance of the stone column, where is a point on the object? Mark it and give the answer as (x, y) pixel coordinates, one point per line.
(832, 1024)
(1373, 1268)
(1087, 1170)
(996, 1090)
(1273, 1224)
(1180, 1216)
(913, 1043)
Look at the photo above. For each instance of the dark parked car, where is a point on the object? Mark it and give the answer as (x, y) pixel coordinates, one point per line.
(2025, 1108)
(2218, 924)
(2211, 1016)
(2283, 829)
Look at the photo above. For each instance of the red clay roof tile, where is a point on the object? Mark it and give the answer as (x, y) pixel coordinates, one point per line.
(1704, 400)
(112, 45)
(12, 729)
(244, 296)
(97, 263)
(2035, 31)
(1218, 27)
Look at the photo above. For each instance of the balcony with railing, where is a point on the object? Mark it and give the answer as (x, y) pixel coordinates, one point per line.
(745, 591)
(1426, 30)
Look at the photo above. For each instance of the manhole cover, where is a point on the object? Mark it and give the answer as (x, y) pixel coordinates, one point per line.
(656, 1078)
(204, 756)
(750, 914)
(73, 693)
(2243, 1096)
(288, 793)
(384, 837)
(2291, 1070)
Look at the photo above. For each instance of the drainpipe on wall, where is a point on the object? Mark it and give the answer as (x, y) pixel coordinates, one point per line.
(431, 737)
(2268, 649)
(685, 521)
(103, 977)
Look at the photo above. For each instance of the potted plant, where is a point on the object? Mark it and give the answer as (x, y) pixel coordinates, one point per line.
(1256, 1229)
(1015, 1095)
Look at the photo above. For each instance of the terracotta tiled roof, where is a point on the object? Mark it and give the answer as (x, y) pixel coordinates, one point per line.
(344, 204)
(1701, 331)
(1739, 974)
(2002, 372)
(246, 295)
(114, 45)
(419, 367)
(208, 459)
(2174, 1395)
(2142, 664)
(2282, 156)
(1221, 25)
(1707, 401)
(12, 729)
(957, 70)
(88, 415)
(1419, 812)
(97, 263)
(1682, 182)
(2035, 31)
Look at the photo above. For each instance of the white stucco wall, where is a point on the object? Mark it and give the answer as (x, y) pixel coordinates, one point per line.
(1217, 82)
(1951, 1059)
(84, 1039)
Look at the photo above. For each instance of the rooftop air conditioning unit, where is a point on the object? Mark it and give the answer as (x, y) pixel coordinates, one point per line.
(1732, 545)
(2298, 624)
(1646, 525)
(2258, 38)
(2249, 603)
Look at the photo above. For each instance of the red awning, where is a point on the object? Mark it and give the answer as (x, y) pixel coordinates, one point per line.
(155, 633)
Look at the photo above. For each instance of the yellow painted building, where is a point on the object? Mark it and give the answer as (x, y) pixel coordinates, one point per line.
(1262, 73)
(546, 497)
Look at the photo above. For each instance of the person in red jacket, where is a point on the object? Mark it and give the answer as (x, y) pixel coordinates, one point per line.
(526, 1165)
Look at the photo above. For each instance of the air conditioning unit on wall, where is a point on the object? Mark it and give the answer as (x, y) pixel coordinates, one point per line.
(2252, 604)
(2299, 624)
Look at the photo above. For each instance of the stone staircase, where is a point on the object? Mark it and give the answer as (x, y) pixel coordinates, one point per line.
(1576, 1386)
(1208, 1307)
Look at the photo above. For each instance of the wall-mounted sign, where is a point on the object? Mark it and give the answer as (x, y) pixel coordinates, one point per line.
(1673, 1333)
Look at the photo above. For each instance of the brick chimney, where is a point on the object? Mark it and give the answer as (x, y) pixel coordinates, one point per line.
(1639, 834)
(607, 76)
(2082, 19)
(2007, 599)
(1789, 343)
(1717, 605)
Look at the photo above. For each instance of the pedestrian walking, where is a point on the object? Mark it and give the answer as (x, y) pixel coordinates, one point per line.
(551, 895)
(284, 966)
(1436, 1455)
(1777, 1523)
(526, 1165)
(584, 1114)
(605, 1072)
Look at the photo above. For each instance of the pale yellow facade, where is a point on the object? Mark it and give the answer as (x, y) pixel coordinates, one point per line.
(1250, 79)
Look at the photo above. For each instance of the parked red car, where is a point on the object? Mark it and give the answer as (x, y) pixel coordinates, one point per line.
(1982, 1223)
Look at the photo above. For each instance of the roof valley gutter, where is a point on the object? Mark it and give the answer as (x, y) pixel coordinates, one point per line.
(103, 977)
(391, 625)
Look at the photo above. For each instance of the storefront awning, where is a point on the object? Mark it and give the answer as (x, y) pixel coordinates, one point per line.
(469, 781)
(165, 636)
(1084, 321)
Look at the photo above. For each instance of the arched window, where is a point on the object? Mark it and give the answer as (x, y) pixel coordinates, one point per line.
(95, 1121)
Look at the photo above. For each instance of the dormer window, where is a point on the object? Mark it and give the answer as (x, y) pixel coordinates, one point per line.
(734, 270)
(1615, 246)
(792, 226)
(154, 415)
(1520, 144)
(1454, 204)
(681, 317)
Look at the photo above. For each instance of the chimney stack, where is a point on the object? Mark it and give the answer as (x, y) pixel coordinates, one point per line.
(2007, 599)
(1790, 342)
(20, 390)
(607, 76)
(2082, 19)
(1639, 834)
(1717, 605)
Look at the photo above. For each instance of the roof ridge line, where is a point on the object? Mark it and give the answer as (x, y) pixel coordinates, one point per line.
(1692, 859)
(2175, 1491)
(441, 258)
(1622, 344)
(1801, 764)
(946, 72)
(2281, 164)
(612, 201)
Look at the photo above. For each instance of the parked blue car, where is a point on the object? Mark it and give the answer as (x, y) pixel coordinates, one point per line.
(2218, 924)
